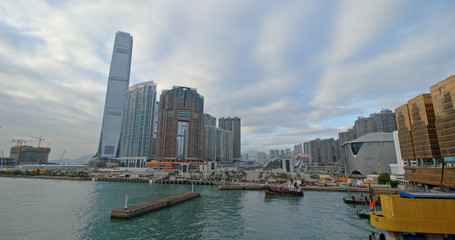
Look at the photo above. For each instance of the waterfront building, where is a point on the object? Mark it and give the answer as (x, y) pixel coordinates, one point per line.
(443, 95)
(234, 125)
(416, 130)
(23, 155)
(138, 125)
(373, 152)
(117, 85)
(424, 137)
(180, 128)
(426, 132)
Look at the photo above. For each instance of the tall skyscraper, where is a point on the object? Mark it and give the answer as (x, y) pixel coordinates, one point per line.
(234, 125)
(138, 121)
(117, 86)
(180, 128)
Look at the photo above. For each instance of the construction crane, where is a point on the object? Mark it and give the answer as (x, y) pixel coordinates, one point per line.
(4, 160)
(42, 154)
(39, 140)
(61, 157)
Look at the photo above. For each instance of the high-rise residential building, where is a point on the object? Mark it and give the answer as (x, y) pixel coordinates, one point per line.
(261, 157)
(324, 151)
(443, 95)
(209, 120)
(224, 148)
(306, 148)
(234, 125)
(347, 136)
(362, 126)
(180, 128)
(210, 142)
(139, 121)
(117, 86)
(298, 149)
(383, 121)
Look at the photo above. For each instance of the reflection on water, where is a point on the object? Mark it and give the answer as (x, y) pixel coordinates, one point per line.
(51, 209)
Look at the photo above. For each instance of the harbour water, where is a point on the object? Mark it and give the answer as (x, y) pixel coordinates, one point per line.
(58, 209)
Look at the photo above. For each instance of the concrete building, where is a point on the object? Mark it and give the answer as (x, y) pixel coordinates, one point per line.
(373, 152)
(398, 168)
(287, 164)
(138, 122)
(180, 128)
(298, 149)
(118, 82)
(261, 156)
(324, 151)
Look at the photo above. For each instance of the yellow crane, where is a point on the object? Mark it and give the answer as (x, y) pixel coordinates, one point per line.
(4, 160)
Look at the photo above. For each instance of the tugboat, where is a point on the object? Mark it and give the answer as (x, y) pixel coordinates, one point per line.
(284, 191)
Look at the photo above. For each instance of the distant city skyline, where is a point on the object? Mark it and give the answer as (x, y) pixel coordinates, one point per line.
(292, 71)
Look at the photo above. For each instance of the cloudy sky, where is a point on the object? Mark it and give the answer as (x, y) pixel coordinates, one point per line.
(291, 70)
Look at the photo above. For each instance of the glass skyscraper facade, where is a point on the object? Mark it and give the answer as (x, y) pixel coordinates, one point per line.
(117, 86)
(137, 136)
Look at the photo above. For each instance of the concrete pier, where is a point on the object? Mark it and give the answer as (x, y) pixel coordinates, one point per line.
(122, 179)
(241, 187)
(145, 207)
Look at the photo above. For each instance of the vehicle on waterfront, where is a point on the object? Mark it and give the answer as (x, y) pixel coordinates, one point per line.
(284, 191)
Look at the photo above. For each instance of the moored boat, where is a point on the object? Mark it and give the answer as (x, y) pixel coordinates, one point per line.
(284, 191)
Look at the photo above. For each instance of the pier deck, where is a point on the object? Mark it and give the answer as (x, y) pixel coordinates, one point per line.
(145, 207)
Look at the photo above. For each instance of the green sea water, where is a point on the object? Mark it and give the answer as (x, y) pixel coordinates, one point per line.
(59, 209)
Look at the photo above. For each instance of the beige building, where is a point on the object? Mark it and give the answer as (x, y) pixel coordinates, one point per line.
(443, 95)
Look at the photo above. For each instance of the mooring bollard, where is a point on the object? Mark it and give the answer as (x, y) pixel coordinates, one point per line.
(126, 202)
